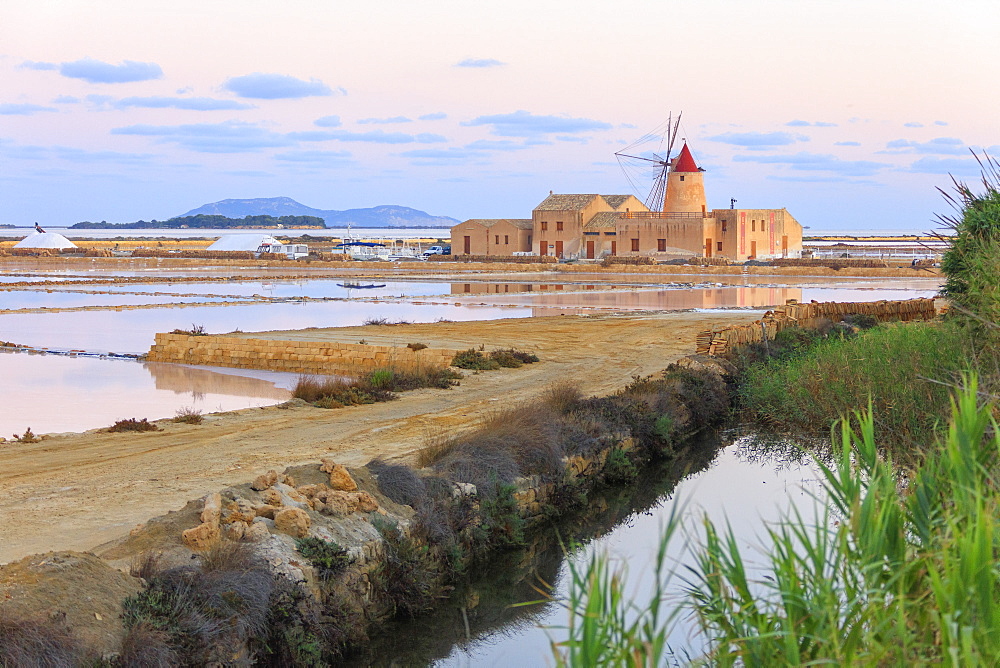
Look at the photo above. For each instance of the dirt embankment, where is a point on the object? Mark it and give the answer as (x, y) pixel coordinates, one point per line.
(76, 491)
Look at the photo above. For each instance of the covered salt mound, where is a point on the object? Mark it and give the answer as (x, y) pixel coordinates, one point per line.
(242, 242)
(45, 240)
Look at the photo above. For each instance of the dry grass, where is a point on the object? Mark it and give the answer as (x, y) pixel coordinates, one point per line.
(398, 482)
(146, 646)
(188, 415)
(28, 643)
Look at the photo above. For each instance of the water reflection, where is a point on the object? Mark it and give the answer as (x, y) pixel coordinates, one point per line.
(57, 393)
(479, 627)
(199, 381)
(673, 299)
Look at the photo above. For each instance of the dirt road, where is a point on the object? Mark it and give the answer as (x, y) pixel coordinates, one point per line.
(77, 491)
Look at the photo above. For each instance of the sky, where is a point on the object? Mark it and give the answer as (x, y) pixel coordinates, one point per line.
(849, 114)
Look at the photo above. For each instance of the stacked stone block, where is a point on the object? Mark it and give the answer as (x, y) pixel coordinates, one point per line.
(312, 357)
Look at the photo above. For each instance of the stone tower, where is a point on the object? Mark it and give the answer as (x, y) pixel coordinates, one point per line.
(685, 186)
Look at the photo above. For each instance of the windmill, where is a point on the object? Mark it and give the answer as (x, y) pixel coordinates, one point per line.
(650, 165)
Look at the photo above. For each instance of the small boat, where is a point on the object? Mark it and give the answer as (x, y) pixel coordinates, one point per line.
(360, 286)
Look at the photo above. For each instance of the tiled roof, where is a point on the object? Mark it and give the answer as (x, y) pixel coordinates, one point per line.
(565, 202)
(602, 220)
(522, 223)
(615, 200)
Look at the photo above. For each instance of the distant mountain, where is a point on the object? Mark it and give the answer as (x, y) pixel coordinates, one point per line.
(376, 216)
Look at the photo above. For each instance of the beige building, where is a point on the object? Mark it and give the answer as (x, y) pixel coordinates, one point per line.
(491, 236)
(595, 226)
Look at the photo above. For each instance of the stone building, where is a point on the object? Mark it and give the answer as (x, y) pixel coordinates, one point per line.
(492, 236)
(593, 226)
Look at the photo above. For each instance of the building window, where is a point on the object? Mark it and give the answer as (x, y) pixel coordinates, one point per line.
(753, 225)
(545, 226)
(635, 244)
(506, 239)
(496, 239)
(718, 246)
(559, 226)
(682, 177)
(661, 245)
(723, 226)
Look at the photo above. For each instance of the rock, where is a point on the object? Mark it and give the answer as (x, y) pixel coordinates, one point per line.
(257, 531)
(338, 503)
(239, 510)
(287, 479)
(717, 365)
(310, 491)
(266, 510)
(366, 502)
(290, 492)
(327, 465)
(213, 509)
(293, 521)
(341, 480)
(235, 530)
(283, 495)
(464, 489)
(262, 482)
(201, 537)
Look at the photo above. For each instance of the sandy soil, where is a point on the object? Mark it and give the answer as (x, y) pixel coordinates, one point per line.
(79, 490)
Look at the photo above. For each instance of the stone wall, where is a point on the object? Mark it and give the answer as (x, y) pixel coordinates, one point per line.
(315, 357)
(723, 341)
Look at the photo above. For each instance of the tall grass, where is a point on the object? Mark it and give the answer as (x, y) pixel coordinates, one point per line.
(905, 370)
(901, 570)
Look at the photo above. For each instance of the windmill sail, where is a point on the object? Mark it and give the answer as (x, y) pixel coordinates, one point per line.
(642, 163)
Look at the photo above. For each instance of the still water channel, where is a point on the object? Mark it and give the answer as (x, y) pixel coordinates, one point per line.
(741, 481)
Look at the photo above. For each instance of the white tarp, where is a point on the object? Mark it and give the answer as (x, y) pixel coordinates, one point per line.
(242, 242)
(45, 240)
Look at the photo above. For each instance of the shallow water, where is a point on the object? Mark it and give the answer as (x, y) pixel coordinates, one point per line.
(58, 393)
(132, 331)
(741, 485)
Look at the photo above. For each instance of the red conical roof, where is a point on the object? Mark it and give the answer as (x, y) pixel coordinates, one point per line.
(685, 163)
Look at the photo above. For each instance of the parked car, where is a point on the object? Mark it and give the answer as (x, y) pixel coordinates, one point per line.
(438, 250)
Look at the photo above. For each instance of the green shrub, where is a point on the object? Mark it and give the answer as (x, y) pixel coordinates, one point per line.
(327, 557)
(619, 469)
(972, 261)
(475, 360)
(132, 424)
(407, 580)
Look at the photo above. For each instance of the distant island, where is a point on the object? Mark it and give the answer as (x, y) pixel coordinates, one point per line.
(202, 221)
(280, 213)
(386, 215)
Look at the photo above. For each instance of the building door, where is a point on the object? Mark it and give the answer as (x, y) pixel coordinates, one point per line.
(467, 244)
(708, 248)
(614, 247)
(543, 248)
(784, 245)
(590, 249)
(559, 249)
(753, 249)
